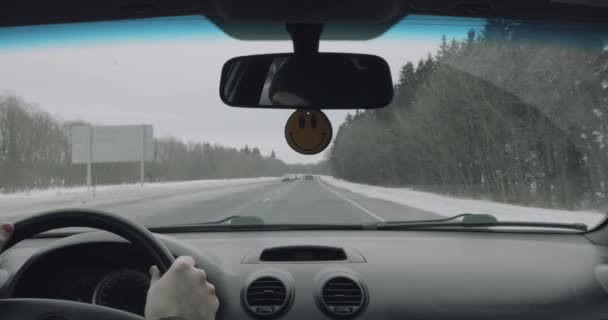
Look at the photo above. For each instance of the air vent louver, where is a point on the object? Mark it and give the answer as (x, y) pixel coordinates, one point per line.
(342, 296)
(266, 297)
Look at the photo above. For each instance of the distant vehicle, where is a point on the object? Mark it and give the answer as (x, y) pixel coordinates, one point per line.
(288, 178)
(309, 177)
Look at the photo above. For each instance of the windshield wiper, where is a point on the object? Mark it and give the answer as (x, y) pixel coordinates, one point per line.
(230, 220)
(235, 220)
(464, 220)
(201, 227)
(472, 220)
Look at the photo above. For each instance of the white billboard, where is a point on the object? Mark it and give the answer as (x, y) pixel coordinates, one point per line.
(97, 144)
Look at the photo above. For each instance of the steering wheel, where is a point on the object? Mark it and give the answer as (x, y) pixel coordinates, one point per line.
(43, 309)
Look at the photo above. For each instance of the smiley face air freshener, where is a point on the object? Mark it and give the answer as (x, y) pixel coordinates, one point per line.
(308, 131)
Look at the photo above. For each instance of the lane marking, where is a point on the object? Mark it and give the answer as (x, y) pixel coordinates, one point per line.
(260, 198)
(151, 210)
(373, 215)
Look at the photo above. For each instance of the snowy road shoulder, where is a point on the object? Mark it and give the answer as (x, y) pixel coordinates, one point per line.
(448, 206)
(50, 199)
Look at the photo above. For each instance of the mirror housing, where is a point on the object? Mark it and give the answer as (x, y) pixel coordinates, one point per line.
(307, 81)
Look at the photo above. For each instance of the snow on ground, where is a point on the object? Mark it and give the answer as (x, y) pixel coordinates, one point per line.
(449, 206)
(120, 188)
(54, 198)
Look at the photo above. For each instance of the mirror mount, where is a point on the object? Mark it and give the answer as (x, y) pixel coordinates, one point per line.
(305, 37)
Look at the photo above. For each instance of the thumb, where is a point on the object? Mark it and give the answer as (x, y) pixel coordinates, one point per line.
(154, 274)
(6, 231)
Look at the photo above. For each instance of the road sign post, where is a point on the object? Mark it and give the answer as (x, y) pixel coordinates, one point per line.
(143, 155)
(90, 160)
(89, 173)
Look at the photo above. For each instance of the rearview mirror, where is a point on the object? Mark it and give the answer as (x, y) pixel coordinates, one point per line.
(315, 81)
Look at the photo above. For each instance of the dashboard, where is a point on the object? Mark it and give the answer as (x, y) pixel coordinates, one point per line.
(108, 274)
(337, 274)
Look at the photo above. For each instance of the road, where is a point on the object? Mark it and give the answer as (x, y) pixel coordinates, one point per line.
(323, 200)
(307, 202)
(276, 202)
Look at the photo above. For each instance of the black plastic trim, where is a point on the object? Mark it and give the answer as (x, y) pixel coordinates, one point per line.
(352, 256)
(303, 253)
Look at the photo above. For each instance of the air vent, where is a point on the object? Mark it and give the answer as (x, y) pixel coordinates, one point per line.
(342, 296)
(266, 297)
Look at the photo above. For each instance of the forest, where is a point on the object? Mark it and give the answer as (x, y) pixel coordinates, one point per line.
(515, 112)
(35, 153)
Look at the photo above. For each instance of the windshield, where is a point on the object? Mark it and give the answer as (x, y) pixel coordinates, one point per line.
(508, 118)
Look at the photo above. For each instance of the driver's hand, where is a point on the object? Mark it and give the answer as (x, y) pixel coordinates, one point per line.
(182, 292)
(6, 231)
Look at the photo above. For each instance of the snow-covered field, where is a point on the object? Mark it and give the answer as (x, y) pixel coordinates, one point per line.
(48, 199)
(450, 206)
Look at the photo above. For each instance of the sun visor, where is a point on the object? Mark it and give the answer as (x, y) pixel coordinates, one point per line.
(307, 10)
(264, 31)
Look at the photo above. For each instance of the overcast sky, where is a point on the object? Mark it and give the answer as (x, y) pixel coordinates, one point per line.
(171, 84)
